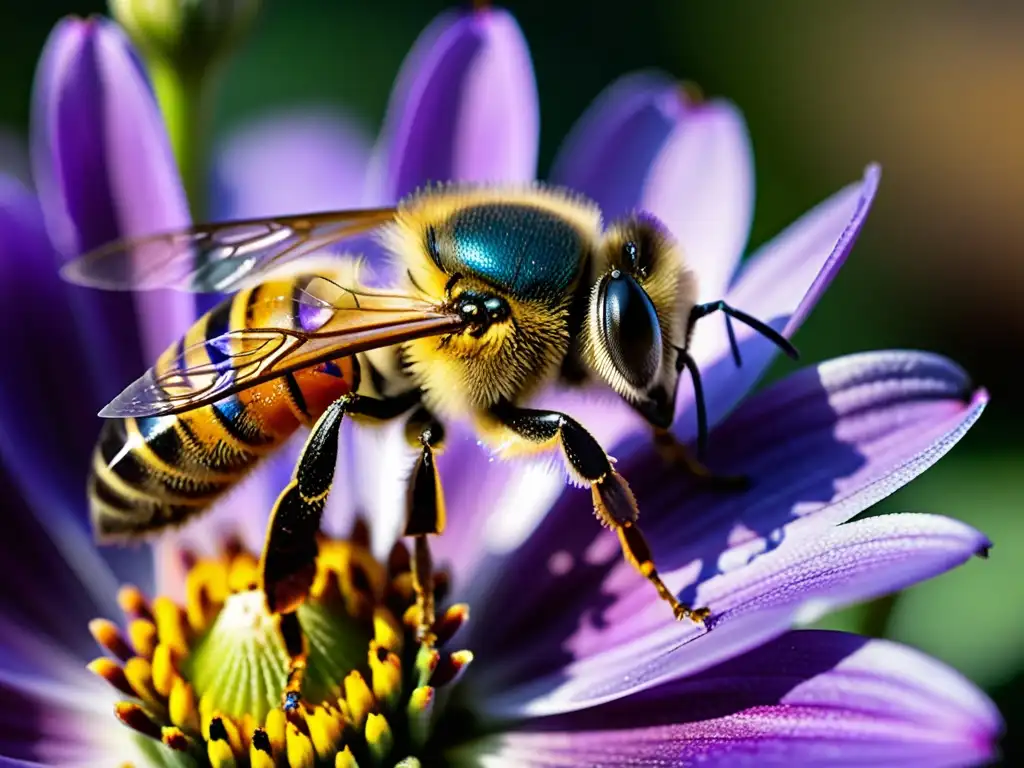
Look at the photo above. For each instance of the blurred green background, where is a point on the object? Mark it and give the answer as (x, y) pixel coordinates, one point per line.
(932, 89)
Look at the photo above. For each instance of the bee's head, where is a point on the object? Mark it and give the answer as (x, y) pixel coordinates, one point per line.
(640, 300)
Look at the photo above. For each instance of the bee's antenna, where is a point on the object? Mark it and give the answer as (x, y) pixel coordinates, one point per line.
(703, 310)
(685, 360)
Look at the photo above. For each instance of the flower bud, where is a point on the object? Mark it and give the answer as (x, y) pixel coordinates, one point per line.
(188, 34)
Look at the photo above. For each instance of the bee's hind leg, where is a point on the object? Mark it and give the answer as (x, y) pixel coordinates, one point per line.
(678, 455)
(425, 516)
(614, 502)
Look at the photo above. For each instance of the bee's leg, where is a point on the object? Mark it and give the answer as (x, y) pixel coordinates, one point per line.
(678, 455)
(674, 451)
(297, 648)
(425, 516)
(288, 562)
(614, 502)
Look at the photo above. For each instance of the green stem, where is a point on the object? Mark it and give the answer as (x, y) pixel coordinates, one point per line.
(186, 101)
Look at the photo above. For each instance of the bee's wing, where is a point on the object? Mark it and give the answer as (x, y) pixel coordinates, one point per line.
(217, 257)
(324, 322)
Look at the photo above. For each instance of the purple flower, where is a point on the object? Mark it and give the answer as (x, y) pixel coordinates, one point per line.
(574, 660)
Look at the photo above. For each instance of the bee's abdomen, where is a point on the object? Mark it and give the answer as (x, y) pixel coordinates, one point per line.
(152, 473)
(159, 472)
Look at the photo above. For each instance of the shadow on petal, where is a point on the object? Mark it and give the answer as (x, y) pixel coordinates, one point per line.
(820, 447)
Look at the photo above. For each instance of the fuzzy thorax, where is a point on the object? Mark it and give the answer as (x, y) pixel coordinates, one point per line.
(447, 243)
(463, 373)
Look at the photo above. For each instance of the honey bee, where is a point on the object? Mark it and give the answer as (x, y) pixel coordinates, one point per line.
(501, 292)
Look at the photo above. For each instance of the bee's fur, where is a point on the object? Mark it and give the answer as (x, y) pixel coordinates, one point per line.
(462, 375)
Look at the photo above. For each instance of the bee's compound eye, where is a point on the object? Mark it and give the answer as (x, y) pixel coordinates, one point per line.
(630, 329)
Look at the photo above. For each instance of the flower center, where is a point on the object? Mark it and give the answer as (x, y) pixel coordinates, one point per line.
(206, 679)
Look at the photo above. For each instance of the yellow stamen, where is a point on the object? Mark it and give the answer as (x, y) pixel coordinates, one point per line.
(220, 754)
(182, 706)
(358, 697)
(164, 673)
(344, 759)
(386, 673)
(109, 636)
(143, 636)
(300, 749)
(206, 678)
(379, 736)
(176, 739)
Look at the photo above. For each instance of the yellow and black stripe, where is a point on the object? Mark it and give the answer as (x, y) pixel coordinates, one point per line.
(155, 472)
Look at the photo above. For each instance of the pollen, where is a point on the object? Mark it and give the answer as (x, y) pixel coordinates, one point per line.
(206, 680)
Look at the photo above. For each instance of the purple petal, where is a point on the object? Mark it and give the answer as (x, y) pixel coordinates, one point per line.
(806, 698)
(464, 108)
(52, 709)
(749, 605)
(56, 581)
(291, 162)
(104, 170)
(45, 436)
(780, 284)
(610, 150)
(642, 145)
(856, 429)
(702, 186)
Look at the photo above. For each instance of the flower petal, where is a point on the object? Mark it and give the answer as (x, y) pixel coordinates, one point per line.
(609, 152)
(104, 169)
(641, 144)
(45, 435)
(291, 162)
(52, 709)
(702, 186)
(780, 284)
(56, 581)
(857, 429)
(749, 605)
(464, 108)
(806, 698)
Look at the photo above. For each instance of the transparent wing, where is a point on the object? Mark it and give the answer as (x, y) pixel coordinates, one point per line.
(217, 257)
(325, 321)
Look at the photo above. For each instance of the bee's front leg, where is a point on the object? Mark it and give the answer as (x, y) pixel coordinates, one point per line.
(614, 502)
(425, 515)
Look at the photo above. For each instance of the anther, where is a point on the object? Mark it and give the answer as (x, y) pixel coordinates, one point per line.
(133, 603)
(299, 748)
(109, 636)
(378, 736)
(143, 636)
(345, 759)
(419, 711)
(451, 667)
(358, 696)
(113, 673)
(451, 622)
(135, 717)
(176, 739)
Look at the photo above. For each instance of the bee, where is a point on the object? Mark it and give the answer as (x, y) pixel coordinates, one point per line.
(501, 291)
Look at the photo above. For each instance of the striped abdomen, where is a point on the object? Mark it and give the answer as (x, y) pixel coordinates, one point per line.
(155, 472)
